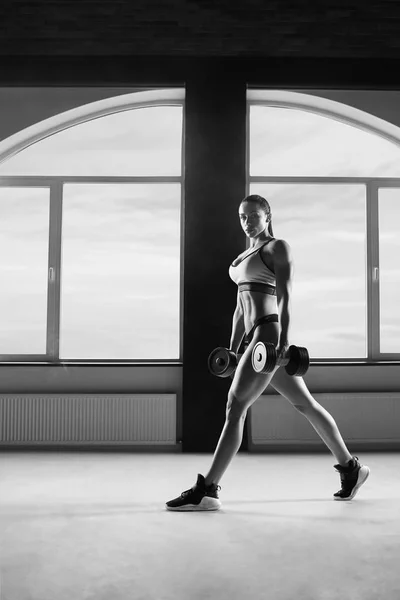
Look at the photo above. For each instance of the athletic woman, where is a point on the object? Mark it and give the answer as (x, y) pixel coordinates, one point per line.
(263, 274)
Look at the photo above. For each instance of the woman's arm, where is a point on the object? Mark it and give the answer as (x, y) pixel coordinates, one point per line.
(283, 265)
(238, 328)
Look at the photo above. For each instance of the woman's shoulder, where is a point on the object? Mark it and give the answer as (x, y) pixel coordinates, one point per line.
(280, 251)
(277, 249)
(276, 244)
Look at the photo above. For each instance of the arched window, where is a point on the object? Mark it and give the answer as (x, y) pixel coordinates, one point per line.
(90, 207)
(332, 176)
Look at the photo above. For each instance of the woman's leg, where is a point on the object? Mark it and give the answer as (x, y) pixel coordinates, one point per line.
(296, 391)
(228, 445)
(246, 387)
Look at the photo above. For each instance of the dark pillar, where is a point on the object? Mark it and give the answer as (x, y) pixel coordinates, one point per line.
(214, 185)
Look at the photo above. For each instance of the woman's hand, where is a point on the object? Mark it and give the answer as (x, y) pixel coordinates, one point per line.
(282, 348)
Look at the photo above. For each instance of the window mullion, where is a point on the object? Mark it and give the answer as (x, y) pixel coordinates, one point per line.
(373, 334)
(54, 272)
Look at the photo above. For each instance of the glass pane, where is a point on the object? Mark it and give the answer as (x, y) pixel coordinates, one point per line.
(292, 142)
(389, 275)
(136, 142)
(24, 250)
(120, 271)
(325, 226)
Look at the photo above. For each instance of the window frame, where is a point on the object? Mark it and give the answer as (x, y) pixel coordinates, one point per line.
(18, 142)
(354, 117)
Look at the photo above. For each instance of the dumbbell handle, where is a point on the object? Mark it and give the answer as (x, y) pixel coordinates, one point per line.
(281, 361)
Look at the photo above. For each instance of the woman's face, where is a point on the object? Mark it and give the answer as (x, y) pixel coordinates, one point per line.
(252, 219)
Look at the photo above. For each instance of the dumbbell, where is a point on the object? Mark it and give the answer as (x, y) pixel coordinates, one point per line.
(223, 362)
(264, 359)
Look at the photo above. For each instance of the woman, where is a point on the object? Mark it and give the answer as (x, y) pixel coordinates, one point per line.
(263, 274)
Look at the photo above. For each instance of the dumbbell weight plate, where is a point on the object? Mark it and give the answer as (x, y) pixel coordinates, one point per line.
(263, 358)
(222, 362)
(299, 361)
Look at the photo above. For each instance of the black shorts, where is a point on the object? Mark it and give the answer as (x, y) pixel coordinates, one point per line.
(273, 318)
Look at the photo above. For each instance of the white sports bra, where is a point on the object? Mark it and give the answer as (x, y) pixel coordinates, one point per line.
(252, 269)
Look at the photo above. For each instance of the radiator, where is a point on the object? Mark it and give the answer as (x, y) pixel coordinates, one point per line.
(361, 417)
(88, 419)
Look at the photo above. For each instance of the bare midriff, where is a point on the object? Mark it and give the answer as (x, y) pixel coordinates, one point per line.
(256, 305)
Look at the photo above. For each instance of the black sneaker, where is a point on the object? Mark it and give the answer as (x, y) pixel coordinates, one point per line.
(199, 497)
(352, 478)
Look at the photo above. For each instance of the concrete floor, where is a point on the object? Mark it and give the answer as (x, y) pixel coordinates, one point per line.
(94, 526)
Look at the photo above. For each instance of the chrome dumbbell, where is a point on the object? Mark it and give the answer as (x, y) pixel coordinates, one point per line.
(223, 362)
(264, 359)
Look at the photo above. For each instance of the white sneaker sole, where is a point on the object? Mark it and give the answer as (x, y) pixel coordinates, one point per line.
(206, 504)
(363, 475)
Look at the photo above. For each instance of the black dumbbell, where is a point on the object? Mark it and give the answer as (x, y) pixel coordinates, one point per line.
(223, 362)
(264, 359)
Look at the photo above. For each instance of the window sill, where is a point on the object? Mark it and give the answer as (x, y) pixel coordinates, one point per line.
(93, 363)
